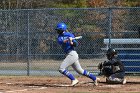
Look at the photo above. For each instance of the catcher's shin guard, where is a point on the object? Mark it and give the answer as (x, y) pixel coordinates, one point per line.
(115, 80)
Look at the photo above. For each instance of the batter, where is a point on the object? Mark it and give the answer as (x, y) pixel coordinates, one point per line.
(72, 59)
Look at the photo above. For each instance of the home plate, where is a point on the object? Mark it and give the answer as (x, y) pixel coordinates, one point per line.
(111, 86)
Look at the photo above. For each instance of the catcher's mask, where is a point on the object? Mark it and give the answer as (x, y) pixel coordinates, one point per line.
(110, 53)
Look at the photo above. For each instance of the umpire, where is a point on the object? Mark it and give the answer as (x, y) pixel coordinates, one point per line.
(113, 69)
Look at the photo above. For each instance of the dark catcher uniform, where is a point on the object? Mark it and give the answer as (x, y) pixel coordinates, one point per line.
(113, 69)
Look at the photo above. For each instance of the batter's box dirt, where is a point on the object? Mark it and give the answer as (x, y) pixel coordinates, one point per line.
(44, 84)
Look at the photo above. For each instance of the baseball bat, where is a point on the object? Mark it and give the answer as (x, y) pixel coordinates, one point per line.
(78, 37)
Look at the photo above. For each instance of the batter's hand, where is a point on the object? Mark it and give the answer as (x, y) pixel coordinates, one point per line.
(70, 38)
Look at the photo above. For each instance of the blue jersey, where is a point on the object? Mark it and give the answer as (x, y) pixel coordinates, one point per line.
(66, 46)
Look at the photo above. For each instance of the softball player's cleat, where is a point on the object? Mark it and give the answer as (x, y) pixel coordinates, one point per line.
(96, 81)
(124, 81)
(74, 82)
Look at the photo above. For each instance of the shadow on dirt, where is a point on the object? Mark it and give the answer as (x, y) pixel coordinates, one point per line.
(66, 85)
(128, 82)
(47, 85)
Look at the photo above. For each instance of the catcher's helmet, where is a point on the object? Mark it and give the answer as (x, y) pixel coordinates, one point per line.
(110, 53)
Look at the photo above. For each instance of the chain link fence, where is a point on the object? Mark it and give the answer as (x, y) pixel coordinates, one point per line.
(29, 46)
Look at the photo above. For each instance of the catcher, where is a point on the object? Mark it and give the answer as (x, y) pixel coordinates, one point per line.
(113, 69)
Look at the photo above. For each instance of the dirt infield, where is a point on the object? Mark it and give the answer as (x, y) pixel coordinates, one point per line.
(44, 84)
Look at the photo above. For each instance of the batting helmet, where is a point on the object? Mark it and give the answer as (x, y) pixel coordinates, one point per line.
(61, 26)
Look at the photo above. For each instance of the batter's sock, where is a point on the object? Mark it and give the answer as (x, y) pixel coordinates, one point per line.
(90, 75)
(68, 74)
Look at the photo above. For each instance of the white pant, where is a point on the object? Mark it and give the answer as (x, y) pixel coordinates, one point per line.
(71, 59)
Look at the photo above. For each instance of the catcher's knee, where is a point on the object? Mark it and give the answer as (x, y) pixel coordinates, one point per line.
(113, 80)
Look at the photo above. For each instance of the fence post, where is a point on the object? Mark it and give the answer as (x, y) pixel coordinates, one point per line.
(28, 59)
(110, 27)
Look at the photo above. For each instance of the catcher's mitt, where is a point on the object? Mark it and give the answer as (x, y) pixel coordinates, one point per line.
(104, 70)
(100, 66)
